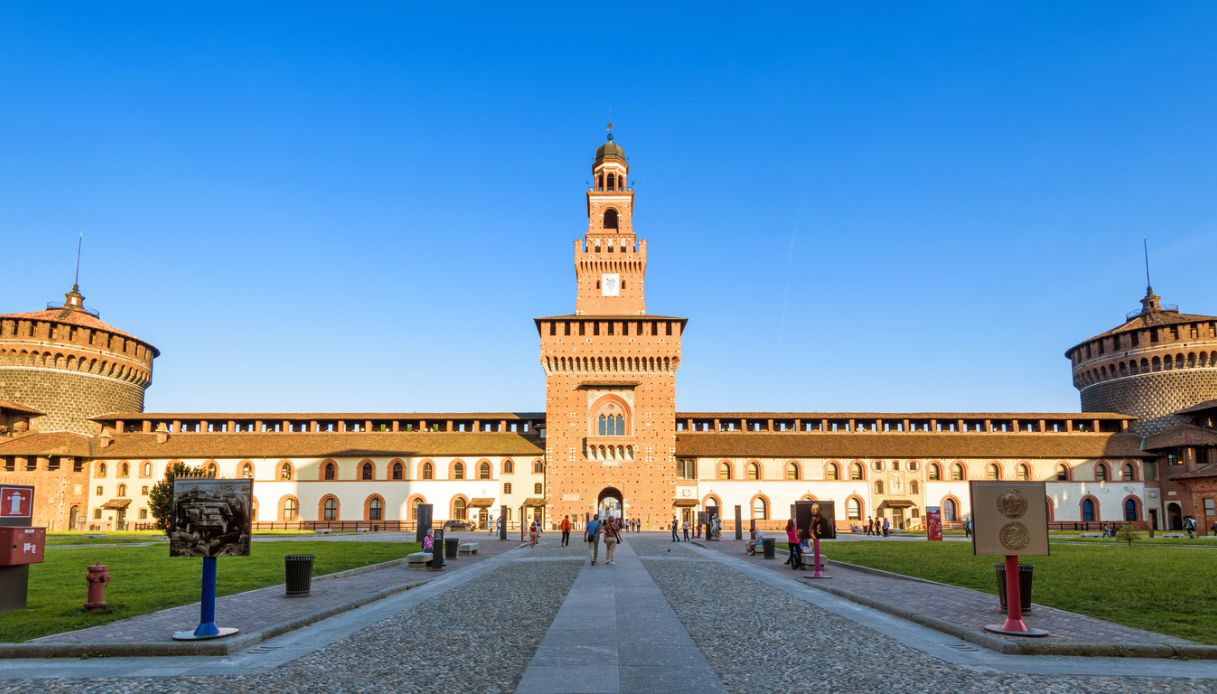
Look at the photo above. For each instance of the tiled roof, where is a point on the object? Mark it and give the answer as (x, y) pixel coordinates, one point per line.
(57, 443)
(78, 318)
(1202, 472)
(902, 415)
(17, 407)
(1151, 319)
(287, 445)
(1181, 436)
(908, 445)
(351, 416)
(1202, 407)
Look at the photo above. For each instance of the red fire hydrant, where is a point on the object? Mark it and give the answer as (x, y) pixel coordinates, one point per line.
(98, 577)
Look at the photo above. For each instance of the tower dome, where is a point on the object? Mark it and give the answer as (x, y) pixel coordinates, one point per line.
(70, 365)
(610, 150)
(1158, 362)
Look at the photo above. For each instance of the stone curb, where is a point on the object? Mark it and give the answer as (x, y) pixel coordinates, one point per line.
(212, 648)
(1009, 646)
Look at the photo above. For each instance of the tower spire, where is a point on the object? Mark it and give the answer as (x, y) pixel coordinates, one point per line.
(76, 282)
(610, 129)
(1152, 303)
(1145, 245)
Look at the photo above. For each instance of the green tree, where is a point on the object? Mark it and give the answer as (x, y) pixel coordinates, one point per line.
(160, 498)
(1126, 534)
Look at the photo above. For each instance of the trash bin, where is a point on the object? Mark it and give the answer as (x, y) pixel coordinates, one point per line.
(1026, 572)
(770, 547)
(450, 545)
(299, 570)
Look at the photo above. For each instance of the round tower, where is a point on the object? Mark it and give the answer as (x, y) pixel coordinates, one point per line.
(68, 364)
(1158, 362)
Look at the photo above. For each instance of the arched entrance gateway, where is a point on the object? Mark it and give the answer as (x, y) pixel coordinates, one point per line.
(1174, 516)
(610, 503)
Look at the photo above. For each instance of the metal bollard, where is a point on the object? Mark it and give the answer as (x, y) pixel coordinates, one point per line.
(98, 577)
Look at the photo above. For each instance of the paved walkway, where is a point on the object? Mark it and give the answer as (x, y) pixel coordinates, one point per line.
(964, 612)
(615, 632)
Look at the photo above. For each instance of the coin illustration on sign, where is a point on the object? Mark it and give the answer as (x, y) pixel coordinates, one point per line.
(1014, 536)
(1012, 504)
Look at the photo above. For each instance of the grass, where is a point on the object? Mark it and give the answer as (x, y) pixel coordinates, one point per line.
(112, 537)
(146, 579)
(1164, 589)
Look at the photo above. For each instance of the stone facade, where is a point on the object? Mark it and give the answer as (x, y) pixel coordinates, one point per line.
(1152, 397)
(68, 399)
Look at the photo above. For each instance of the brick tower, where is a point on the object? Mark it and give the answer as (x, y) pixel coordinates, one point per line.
(610, 370)
(69, 366)
(1158, 362)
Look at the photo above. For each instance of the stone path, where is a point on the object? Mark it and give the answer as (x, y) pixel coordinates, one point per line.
(615, 632)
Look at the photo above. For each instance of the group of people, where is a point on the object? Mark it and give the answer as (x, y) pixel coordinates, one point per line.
(799, 540)
(610, 530)
(879, 527)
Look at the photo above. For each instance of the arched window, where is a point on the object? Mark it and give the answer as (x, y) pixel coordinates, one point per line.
(957, 471)
(414, 506)
(285, 471)
(147, 469)
(1100, 472)
(724, 471)
(289, 509)
(212, 469)
(331, 471)
(376, 508)
(124, 470)
(101, 469)
(458, 471)
(855, 471)
(993, 472)
(1024, 472)
(537, 466)
(610, 417)
(506, 488)
(853, 509)
(536, 488)
(1089, 510)
(1062, 472)
(914, 487)
(754, 471)
(398, 470)
(1129, 472)
(247, 471)
(366, 471)
(428, 471)
(935, 472)
(509, 467)
(459, 508)
(792, 470)
(1131, 512)
(950, 510)
(832, 472)
(878, 486)
(760, 508)
(329, 509)
(484, 470)
(610, 215)
(122, 490)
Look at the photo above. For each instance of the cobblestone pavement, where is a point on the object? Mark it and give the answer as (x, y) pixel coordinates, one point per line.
(959, 606)
(758, 638)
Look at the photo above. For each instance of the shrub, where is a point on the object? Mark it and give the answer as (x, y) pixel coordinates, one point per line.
(1126, 534)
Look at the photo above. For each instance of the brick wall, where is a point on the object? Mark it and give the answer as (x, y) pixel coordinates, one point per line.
(1152, 396)
(68, 399)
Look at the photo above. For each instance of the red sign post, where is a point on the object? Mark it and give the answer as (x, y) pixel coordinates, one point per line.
(17, 502)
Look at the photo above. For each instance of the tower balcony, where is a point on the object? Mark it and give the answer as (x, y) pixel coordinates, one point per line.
(609, 450)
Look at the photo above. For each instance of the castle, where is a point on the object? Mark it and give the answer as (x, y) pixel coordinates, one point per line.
(1143, 449)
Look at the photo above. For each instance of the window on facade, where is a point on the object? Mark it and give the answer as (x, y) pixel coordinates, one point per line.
(285, 471)
(147, 469)
(950, 511)
(414, 507)
(1130, 510)
(832, 472)
(993, 472)
(1024, 473)
(935, 472)
(484, 471)
(1088, 514)
(143, 514)
(376, 509)
(459, 509)
(913, 463)
(792, 471)
(760, 509)
(878, 464)
(853, 509)
(914, 487)
(96, 514)
(247, 471)
(330, 509)
(611, 425)
(538, 467)
(1062, 472)
(365, 471)
(610, 216)
(100, 491)
(878, 487)
(101, 469)
(143, 490)
(124, 470)
(957, 471)
(398, 469)
(507, 487)
(855, 471)
(509, 467)
(122, 490)
(458, 471)
(1100, 472)
(428, 471)
(290, 510)
(686, 469)
(724, 471)
(1128, 472)
(330, 471)
(536, 488)
(754, 471)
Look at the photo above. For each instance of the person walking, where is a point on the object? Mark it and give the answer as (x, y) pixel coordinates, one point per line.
(593, 537)
(870, 525)
(611, 537)
(566, 531)
(675, 525)
(967, 528)
(792, 537)
(887, 527)
(686, 529)
(532, 534)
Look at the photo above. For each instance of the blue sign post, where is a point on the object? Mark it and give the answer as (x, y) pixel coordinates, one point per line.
(211, 518)
(207, 628)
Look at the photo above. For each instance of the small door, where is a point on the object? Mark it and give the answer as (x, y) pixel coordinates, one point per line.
(483, 518)
(898, 518)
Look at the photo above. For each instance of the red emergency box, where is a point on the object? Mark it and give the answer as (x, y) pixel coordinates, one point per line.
(22, 545)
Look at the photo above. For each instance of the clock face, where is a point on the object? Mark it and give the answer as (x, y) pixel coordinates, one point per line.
(610, 285)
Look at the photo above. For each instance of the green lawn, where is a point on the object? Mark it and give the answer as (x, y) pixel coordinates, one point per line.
(1163, 589)
(146, 579)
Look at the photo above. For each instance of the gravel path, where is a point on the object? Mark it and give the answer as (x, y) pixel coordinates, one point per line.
(479, 637)
(758, 638)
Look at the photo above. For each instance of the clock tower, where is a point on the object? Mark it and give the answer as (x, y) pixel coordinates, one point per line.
(610, 371)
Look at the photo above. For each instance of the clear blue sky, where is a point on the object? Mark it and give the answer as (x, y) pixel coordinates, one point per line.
(346, 206)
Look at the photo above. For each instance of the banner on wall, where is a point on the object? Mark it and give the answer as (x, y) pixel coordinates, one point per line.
(933, 523)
